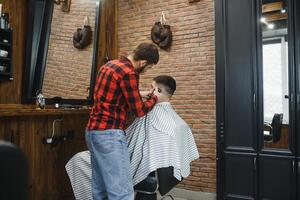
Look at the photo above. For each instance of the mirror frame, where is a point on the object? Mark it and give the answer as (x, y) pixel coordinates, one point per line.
(37, 41)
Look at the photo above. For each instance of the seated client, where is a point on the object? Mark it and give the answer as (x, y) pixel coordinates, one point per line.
(159, 140)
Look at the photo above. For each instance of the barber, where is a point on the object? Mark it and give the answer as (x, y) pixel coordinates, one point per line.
(116, 93)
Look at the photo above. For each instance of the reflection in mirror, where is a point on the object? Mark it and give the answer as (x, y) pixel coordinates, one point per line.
(68, 69)
(274, 26)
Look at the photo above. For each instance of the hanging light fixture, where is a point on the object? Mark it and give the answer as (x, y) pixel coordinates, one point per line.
(263, 20)
(270, 26)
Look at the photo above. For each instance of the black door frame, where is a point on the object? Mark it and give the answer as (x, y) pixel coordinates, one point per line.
(297, 72)
(220, 90)
(220, 42)
(294, 90)
(292, 81)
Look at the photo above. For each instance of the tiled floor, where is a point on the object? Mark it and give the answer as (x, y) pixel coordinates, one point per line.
(181, 194)
(168, 198)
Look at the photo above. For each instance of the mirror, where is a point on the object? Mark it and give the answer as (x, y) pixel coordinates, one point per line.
(61, 50)
(274, 26)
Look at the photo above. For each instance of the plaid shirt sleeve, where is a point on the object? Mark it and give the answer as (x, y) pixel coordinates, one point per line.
(130, 89)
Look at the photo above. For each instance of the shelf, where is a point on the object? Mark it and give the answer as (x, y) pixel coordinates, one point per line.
(24, 110)
(6, 34)
(5, 59)
(4, 73)
(8, 30)
(5, 44)
(7, 75)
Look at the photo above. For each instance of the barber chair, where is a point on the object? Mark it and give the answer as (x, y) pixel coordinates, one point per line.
(274, 128)
(13, 172)
(161, 180)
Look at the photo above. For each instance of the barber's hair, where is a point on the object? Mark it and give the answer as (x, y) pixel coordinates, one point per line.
(146, 51)
(168, 82)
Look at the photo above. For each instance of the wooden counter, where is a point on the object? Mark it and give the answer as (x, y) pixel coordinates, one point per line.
(29, 110)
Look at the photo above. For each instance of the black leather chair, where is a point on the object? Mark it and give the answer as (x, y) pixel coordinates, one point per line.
(13, 172)
(274, 128)
(162, 180)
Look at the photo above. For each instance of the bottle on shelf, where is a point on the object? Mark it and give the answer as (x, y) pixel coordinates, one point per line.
(3, 53)
(4, 19)
(40, 100)
(3, 67)
(2, 22)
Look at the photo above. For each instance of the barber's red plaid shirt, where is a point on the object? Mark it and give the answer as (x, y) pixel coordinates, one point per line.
(116, 92)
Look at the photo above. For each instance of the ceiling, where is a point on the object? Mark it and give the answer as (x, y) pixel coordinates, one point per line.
(272, 11)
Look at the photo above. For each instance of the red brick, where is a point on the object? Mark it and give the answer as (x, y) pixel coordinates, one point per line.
(191, 61)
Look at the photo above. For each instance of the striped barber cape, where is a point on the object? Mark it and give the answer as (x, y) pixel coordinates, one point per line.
(159, 139)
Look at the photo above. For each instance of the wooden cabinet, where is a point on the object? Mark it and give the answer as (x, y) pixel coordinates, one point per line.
(48, 179)
(238, 168)
(277, 177)
(249, 167)
(6, 67)
(237, 145)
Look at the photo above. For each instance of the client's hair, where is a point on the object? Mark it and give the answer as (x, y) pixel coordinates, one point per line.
(168, 82)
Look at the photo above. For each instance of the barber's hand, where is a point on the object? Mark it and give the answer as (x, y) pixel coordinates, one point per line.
(146, 94)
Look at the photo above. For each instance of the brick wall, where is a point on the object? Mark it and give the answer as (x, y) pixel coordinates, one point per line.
(68, 69)
(190, 61)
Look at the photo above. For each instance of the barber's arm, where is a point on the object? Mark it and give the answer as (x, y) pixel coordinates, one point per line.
(129, 87)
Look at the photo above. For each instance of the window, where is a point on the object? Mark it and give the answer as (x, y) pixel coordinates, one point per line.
(275, 76)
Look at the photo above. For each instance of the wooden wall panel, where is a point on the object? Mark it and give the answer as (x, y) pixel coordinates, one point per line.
(11, 90)
(70, 148)
(108, 23)
(47, 176)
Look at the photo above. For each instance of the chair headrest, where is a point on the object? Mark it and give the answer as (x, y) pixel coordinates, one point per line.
(276, 126)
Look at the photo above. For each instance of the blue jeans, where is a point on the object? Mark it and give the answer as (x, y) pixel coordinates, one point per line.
(111, 178)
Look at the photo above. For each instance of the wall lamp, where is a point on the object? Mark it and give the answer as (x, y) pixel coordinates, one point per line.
(269, 25)
(65, 4)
